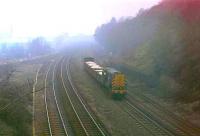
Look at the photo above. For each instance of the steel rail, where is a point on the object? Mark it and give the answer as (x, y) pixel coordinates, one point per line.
(45, 100)
(34, 85)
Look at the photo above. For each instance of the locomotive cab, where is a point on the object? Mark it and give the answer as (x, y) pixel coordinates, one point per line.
(116, 82)
(88, 59)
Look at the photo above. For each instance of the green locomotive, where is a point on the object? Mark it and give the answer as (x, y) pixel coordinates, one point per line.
(109, 77)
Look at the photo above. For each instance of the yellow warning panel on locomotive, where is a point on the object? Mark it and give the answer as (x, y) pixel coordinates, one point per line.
(118, 80)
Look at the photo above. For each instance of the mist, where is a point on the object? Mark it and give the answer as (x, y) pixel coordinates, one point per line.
(132, 65)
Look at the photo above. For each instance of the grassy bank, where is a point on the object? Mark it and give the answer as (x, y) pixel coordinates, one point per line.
(16, 97)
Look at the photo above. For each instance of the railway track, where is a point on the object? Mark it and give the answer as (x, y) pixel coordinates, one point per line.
(34, 85)
(55, 119)
(48, 119)
(45, 100)
(142, 120)
(58, 109)
(163, 116)
(40, 124)
(84, 122)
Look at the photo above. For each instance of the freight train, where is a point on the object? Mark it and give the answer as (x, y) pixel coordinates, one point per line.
(113, 80)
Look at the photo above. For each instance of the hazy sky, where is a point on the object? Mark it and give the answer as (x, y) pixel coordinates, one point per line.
(28, 18)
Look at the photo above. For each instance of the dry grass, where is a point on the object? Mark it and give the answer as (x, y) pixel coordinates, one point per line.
(17, 118)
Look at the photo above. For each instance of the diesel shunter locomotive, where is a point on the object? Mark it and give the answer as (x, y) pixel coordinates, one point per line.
(109, 77)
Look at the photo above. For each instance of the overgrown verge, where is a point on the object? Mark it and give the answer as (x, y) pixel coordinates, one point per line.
(16, 99)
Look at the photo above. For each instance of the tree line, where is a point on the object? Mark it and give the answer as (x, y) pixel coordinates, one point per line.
(162, 42)
(35, 47)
